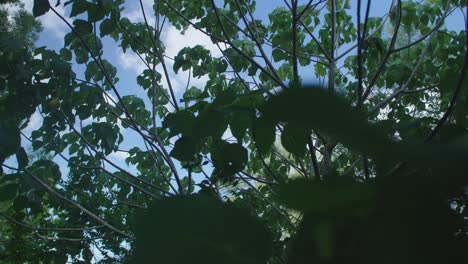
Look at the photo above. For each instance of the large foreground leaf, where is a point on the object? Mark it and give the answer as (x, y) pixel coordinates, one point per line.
(9, 141)
(40, 7)
(315, 108)
(199, 229)
(336, 195)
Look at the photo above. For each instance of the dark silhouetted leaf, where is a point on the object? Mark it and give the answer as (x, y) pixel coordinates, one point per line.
(294, 139)
(40, 7)
(264, 134)
(66, 54)
(240, 122)
(20, 203)
(229, 158)
(79, 6)
(22, 158)
(47, 169)
(209, 123)
(8, 192)
(333, 196)
(9, 141)
(180, 122)
(199, 229)
(315, 108)
(106, 27)
(184, 149)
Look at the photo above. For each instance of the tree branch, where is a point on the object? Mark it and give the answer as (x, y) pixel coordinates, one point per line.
(387, 54)
(54, 229)
(73, 203)
(457, 90)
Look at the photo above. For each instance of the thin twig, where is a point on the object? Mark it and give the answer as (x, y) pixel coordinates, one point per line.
(54, 229)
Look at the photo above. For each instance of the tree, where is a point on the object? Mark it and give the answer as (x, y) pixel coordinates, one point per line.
(24, 215)
(366, 165)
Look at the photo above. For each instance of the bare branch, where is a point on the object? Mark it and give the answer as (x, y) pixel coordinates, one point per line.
(405, 85)
(68, 239)
(73, 203)
(124, 108)
(55, 229)
(386, 56)
(131, 204)
(456, 92)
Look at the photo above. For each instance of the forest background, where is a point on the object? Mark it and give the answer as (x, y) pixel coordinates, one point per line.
(132, 131)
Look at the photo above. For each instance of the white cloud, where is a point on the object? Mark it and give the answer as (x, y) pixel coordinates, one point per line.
(179, 81)
(54, 24)
(50, 21)
(34, 123)
(118, 156)
(11, 8)
(130, 61)
(175, 41)
(28, 4)
(135, 14)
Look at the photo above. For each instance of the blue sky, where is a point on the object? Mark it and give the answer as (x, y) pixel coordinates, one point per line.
(129, 65)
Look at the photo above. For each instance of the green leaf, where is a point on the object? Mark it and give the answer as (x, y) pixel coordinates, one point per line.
(229, 158)
(264, 134)
(66, 54)
(40, 7)
(95, 12)
(81, 56)
(106, 27)
(204, 229)
(331, 115)
(184, 149)
(209, 123)
(82, 27)
(104, 134)
(253, 70)
(294, 139)
(9, 141)
(136, 108)
(397, 73)
(279, 55)
(79, 6)
(47, 169)
(334, 196)
(20, 203)
(22, 158)
(180, 122)
(8, 192)
(240, 122)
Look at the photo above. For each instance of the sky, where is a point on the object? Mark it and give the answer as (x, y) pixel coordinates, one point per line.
(129, 65)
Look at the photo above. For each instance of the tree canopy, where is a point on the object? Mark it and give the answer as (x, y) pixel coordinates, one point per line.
(318, 131)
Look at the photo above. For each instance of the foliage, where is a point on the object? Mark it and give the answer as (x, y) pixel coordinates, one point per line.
(19, 197)
(365, 165)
